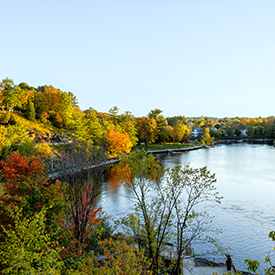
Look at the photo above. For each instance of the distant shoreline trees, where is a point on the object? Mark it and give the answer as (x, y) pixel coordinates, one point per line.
(45, 108)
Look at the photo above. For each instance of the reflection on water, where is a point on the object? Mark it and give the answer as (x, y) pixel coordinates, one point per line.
(245, 178)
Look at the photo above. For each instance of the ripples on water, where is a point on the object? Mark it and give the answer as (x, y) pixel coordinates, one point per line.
(245, 178)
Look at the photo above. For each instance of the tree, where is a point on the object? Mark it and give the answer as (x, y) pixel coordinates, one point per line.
(57, 104)
(118, 142)
(146, 129)
(28, 247)
(181, 132)
(25, 187)
(79, 126)
(159, 216)
(95, 129)
(206, 138)
(161, 124)
(10, 93)
(12, 137)
(30, 111)
(83, 170)
(127, 123)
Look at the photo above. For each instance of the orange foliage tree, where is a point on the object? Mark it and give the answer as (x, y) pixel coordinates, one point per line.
(118, 142)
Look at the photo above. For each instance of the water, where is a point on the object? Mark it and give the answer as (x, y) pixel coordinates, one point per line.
(245, 178)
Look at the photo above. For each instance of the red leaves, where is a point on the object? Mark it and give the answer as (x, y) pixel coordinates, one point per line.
(20, 168)
(25, 186)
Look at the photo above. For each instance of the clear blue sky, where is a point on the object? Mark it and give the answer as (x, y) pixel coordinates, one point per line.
(192, 58)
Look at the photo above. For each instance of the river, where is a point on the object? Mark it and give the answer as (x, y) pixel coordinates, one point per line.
(245, 178)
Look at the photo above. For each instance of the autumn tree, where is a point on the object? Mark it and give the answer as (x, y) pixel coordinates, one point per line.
(118, 142)
(167, 210)
(206, 138)
(181, 131)
(146, 129)
(25, 186)
(57, 104)
(170, 133)
(82, 171)
(86, 127)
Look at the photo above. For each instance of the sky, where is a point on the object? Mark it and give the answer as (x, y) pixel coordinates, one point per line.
(198, 57)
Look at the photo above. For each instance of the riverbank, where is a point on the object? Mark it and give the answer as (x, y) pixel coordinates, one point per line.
(248, 140)
(183, 149)
(56, 175)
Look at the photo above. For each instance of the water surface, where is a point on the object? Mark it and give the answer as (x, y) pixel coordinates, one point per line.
(245, 178)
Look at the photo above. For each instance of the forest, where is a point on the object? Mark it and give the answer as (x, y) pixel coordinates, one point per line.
(55, 227)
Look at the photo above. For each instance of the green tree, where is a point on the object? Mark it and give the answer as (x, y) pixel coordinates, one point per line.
(30, 111)
(95, 129)
(28, 248)
(10, 93)
(159, 215)
(15, 138)
(127, 123)
(161, 121)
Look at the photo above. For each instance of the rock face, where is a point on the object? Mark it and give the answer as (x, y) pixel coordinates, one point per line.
(51, 137)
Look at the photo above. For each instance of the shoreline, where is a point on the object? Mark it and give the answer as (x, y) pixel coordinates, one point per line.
(56, 174)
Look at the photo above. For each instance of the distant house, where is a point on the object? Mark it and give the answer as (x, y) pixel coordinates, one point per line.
(195, 132)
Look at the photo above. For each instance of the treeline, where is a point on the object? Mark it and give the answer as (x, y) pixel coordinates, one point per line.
(27, 110)
(56, 227)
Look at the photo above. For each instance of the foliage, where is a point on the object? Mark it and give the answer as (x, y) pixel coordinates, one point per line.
(206, 139)
(146, 129)
(95, 129)
(162, 123)
(10, 94)
(121, 258)
(82, 186)
(28, 248)
(25, 186)
(118, 142)
(100, 231)
(180, 131)
(254, 265)
(128, 125)
(55, 103)
(30, 111)
(159, 213)
(15, 138)
(44, 150)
